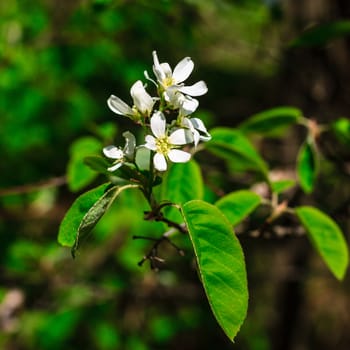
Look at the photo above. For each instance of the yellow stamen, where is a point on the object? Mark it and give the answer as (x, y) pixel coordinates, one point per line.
(163, 145)
(168, 81)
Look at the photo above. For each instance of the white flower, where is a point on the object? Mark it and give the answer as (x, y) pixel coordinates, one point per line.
(198, 129)
(116, 153)
(142, 100)
(164, 74)
(119, 155)
(172, 84)
(165, 146)
(186, 104)
(130, 145)
(143, 103)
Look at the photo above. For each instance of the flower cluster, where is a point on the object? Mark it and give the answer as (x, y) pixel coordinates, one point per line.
(166, 118)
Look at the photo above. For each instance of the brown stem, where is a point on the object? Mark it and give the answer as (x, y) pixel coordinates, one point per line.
(158, 216)
(54, 182)
(152, 255)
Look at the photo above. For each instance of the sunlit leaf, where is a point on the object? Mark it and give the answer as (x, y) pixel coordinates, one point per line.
(327, 238)
(307, 167)
(232, 145)
(95, 213)
(68, 230)
(85, 212)
(221, 263)
(78, 174)
(238, 205)
(271, 121)
(182, 183)
(322, 34)
(282, 185)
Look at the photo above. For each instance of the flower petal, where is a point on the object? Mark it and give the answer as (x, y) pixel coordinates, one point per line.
(188, 105)
(130, 144)
(183, 70)
(178, 156)
(142, 100)
(197, 89)
(186, 122)
(119, 106)
(205, 138)
(180, 137)
(113, 152)
(151, 143)
(198, 124)
(149, 78)
(157, 69)
(173, 96)
(159, 162)
(166, 69)
(115, 166)
(196, 137)
(158, 124)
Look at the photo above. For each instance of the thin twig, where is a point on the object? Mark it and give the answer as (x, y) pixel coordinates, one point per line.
(158, 216)
(152, 255)
(53, 182)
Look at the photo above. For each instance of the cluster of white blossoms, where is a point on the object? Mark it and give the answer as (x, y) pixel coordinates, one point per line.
(166, 117)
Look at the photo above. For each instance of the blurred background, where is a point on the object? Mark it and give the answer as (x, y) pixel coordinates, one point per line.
(59, 62)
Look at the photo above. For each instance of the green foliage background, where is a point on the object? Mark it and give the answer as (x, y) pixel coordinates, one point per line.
(59, 62)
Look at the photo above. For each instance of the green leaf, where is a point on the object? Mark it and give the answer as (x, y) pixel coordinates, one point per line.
(142, 158)
(322, 34)
(58, 327)
(341, 128)
(78, 174)
(221, 263)
(98, 164)
(282, 185)
(271, 121)
(85, 212)
(238, 205)
(68, 230)
(182, 183)
(307, 167)
(327, 238)
(232, 145)
(126, 172)
(107, 131)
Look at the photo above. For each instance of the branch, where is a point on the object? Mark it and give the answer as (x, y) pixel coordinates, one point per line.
(158, 216)
(152, 255)
(54, 182)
